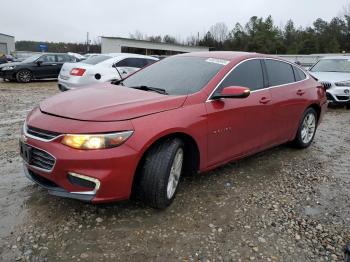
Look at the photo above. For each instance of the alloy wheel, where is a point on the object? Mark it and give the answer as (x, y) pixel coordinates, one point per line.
(175, 173)
(24, 76)
(308, 128)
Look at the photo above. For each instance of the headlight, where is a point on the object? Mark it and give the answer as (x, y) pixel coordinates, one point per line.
(344, 83)
(8, 68)
(96, 141)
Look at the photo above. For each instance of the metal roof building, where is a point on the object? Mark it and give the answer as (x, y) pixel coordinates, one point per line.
(7, 44)
(126, 45)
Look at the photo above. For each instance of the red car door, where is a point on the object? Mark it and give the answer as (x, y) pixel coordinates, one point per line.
(239, 126)
(289, 95)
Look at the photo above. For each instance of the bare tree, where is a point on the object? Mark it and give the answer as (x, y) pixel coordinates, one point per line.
(191, 40)
(137, 35)
(345, 11)
(155, 38)
(97, 41)
(219, 32)
(169, 39)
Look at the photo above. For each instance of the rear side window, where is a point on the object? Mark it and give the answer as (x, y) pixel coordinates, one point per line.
(248, 74)
(133, 62)
(94, 60)
(279, 73)
(299, 74)
(64, 58)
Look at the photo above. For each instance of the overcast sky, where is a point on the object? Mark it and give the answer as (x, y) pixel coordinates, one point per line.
(69, 20)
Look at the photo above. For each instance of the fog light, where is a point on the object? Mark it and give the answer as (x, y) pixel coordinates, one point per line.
(84, 181)
(346, 91)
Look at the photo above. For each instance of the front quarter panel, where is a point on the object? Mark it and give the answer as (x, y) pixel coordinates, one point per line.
(189, 120)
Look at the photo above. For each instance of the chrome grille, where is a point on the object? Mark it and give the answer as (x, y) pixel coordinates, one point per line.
(41, 159)
(327, 85)
(41, 134)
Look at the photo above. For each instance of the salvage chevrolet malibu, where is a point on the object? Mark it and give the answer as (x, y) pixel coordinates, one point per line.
(185, 114)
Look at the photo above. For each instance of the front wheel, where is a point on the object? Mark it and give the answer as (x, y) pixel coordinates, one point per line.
(161, 173)
(24, 76)
(307, 129)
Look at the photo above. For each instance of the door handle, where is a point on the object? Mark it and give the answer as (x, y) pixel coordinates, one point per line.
(300, 92)
(53, 64)
(264, 100)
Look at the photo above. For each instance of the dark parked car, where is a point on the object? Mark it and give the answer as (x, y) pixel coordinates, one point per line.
(35, 67)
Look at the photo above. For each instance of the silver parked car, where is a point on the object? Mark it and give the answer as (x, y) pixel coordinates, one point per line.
(334, 74)
(101, 68)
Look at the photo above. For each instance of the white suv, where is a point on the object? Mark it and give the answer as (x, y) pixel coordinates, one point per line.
(334, 74)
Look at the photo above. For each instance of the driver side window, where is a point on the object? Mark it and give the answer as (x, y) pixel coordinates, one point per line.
(248, 74)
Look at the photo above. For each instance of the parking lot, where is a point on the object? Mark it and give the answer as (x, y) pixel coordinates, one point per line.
(280, 205)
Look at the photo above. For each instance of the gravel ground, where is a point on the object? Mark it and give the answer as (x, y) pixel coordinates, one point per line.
(280, 205)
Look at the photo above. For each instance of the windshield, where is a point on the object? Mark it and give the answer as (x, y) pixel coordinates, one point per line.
(332, 65)
(31, 59)
(94, 60)
(176, 75)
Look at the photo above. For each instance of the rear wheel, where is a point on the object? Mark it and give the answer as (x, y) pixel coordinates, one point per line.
(161, 173)
(307, 129)
(24, 76)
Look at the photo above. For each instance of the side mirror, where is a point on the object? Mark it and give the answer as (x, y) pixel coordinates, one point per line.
(39, 62)
(233, 92)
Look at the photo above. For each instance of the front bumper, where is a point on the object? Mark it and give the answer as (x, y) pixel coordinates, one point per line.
(338, 98)
(7, 74)
(54, 189)
(113, 168)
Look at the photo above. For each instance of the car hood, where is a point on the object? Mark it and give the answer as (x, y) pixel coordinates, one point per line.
(331, 76)
(10, 64)
(107, 102)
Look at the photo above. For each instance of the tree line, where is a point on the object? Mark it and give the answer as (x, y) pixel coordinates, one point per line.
(262, 35)
(257, 35)
(60, 47)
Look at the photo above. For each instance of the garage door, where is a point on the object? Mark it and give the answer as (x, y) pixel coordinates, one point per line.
(3, 48)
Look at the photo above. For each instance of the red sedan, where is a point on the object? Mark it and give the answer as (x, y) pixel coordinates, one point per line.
(185, 114)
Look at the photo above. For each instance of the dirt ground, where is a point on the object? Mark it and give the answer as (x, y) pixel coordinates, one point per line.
(280, 205)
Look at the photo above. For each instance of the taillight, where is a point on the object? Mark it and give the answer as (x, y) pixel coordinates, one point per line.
(77, 71)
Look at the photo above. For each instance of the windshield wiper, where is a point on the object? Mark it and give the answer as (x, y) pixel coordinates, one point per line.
(149, 88)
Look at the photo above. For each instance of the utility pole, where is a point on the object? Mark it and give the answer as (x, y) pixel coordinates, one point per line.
(87, 43)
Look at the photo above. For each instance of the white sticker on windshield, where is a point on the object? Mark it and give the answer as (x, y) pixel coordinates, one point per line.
(217, 61)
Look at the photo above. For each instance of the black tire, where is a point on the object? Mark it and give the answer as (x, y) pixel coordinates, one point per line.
(298, 141)
(348, 106)
(155, 172)
(24, 76)
(347, 253)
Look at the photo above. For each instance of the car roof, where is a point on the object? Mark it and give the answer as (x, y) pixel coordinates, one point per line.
(226, 55)
(336, 57)
(124, 55)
